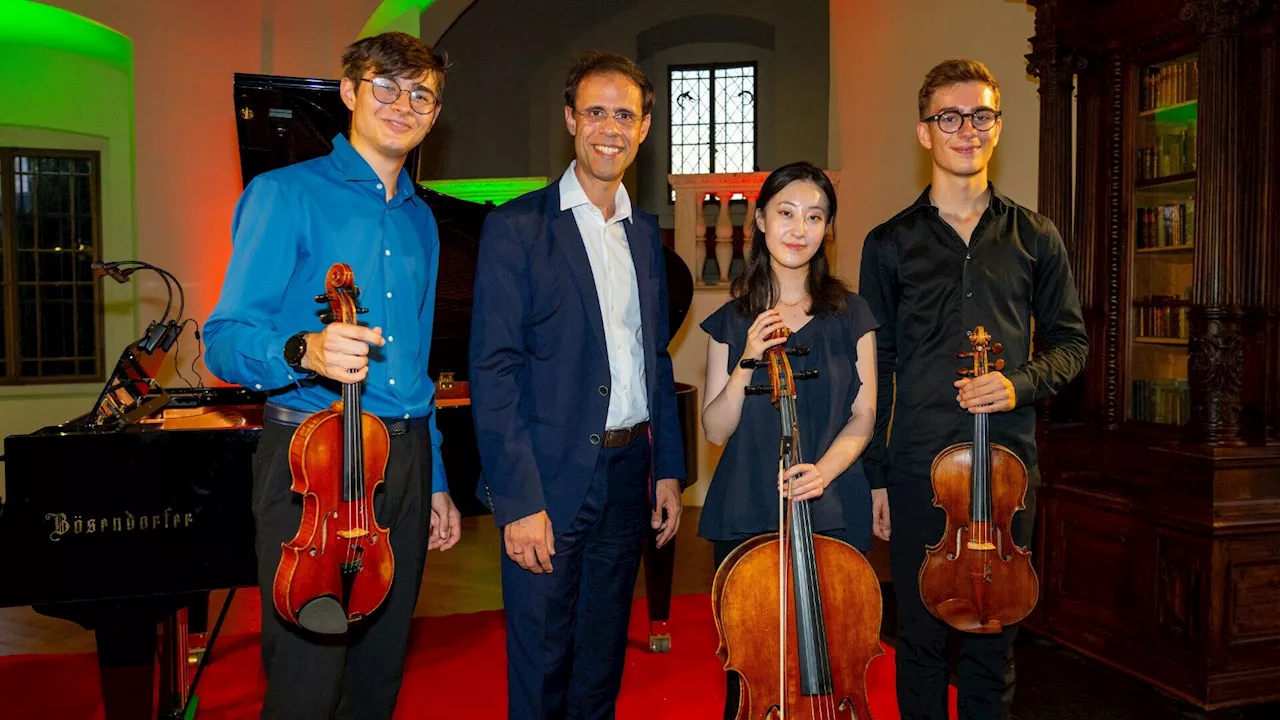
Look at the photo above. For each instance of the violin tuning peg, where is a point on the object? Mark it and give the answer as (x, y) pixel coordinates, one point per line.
(805, 375)
(361, 311)
(749, 364)
(997, 348)
(999, 364)
(326, 317)
(758, 389)
(322, 298)
(966, 372)
(799, 350)
(964, 354)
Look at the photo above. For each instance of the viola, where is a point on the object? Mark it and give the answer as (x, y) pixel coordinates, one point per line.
(975, 578)
(338, 567)
(798, 614)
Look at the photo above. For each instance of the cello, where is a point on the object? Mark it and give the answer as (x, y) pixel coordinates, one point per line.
(975, 578)
(798, 615)
(338, 568)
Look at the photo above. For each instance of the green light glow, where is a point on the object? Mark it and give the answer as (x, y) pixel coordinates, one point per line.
(481, 190)
(1180, 114)
(388, 11)
(30, 23)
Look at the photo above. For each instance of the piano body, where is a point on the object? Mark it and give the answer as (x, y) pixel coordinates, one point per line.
(132, 513)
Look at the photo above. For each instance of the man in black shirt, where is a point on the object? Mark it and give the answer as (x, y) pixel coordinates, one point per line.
(960, 256)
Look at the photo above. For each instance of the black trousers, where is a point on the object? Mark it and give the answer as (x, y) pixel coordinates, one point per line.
(356, 675)
(985, 667)
(567, 630)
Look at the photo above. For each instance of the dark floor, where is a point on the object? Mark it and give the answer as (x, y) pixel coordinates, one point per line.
(1057, 684)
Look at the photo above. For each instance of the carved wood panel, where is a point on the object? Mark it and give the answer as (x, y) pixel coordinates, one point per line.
(1180, 578)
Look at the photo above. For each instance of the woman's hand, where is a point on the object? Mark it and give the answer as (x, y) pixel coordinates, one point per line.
(758, 334)
(805, 480)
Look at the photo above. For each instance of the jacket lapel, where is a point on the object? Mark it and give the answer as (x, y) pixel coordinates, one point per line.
(564, 228)
(646, 288)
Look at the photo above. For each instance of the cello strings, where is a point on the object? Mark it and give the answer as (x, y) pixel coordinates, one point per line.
(802, 520)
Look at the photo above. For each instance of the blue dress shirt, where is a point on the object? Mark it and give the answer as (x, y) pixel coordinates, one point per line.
(289, 227)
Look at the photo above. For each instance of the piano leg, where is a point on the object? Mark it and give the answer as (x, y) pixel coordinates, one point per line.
(659, 570)
(174, 668)
(126, 667)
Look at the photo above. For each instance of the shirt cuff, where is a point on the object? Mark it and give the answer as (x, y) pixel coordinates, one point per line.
(1024, 391)
(877, 476)
(439, 482)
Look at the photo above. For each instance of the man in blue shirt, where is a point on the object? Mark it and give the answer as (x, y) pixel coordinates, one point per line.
(356, 206)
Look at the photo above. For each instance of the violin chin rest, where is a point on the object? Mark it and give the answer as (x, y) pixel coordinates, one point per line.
(963, 615)
(324, 616)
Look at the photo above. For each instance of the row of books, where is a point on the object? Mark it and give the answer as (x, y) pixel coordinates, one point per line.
(1165, 225)
(1162, 401)
(1162, 321)
(1170, 84)
(1173, 153)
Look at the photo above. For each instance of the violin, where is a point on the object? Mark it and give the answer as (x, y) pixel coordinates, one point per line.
(975, 578)
(798, 615)
(338, 568)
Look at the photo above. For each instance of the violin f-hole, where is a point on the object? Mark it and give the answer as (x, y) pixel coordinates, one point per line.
(959, 531)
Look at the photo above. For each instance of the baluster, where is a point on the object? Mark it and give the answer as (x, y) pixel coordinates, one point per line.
(749, 225)
(710, 271)
(724, 236)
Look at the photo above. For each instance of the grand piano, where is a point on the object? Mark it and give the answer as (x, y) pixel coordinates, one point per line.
(122, 532)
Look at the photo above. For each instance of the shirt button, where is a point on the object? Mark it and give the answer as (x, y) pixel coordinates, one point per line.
(968, 294)
(257, 387)
(379, 186)
(391, 338)
(388, 294)
(595, 439)
(392, 381)
(388, 252)
(406, 416)
(967, 256)
(603, 390)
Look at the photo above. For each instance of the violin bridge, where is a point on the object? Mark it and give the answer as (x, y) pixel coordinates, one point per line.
(973, 545)
(353, 533)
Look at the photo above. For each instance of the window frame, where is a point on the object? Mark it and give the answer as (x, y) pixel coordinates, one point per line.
(11, 320)
(755, 113)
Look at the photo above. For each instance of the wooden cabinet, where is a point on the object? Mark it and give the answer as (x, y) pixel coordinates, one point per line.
(1158, 536)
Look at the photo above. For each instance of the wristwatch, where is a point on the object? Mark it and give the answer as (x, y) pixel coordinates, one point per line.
(295, 348)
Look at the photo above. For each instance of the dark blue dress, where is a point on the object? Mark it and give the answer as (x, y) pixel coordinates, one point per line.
(742, 501)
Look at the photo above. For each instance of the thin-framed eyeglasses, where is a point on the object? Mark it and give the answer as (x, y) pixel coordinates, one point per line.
(597, 116)
(950, 121)
(387, 92)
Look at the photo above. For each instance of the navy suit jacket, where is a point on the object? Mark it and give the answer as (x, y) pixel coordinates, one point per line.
(539, 371)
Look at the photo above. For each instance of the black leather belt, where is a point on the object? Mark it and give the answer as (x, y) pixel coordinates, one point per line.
(625, 436)
(289, 416)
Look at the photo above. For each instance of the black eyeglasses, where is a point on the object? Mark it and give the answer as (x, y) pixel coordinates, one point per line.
(951, 120)
(388, 92)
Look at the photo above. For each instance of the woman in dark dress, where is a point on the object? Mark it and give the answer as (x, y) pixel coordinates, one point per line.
(788, 282)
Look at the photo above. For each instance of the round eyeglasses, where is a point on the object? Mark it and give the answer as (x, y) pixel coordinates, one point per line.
(388, 92)
(951, 120)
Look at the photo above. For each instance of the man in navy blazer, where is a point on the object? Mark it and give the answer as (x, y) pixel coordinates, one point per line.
(574, 402)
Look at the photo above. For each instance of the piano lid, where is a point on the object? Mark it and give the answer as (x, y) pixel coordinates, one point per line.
(283, 120)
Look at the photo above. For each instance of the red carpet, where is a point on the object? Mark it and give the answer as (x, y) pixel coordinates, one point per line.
(456, 668)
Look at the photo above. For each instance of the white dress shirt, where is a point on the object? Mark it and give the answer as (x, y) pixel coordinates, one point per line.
(617, 289)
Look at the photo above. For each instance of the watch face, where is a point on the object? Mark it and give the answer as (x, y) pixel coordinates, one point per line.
(293, 350)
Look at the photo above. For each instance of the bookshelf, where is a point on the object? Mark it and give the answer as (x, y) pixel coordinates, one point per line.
(1162, 240)
(1158, 515)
